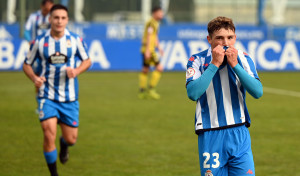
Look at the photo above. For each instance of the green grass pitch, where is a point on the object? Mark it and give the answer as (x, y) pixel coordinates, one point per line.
(120, 135)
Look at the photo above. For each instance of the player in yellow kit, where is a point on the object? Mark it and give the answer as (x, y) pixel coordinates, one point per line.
(149, 44)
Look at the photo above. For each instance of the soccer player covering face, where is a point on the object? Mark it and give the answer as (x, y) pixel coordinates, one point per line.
(59, 50)
(217, 79)
(149, 44)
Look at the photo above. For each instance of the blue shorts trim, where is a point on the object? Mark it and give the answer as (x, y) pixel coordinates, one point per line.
(65, 112)
(226, 152)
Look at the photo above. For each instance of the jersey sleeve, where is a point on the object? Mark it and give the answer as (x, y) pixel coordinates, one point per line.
(33, 54)
(29, 22)
(82, 51)
(248, 64)
(151, 28)
(193, 69)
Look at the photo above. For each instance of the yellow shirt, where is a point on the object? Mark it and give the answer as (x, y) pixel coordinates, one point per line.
(151, 28)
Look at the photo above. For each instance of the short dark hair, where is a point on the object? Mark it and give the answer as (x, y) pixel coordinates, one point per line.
(57, 7)
(155, 9)
(45, 1)
(218, 23)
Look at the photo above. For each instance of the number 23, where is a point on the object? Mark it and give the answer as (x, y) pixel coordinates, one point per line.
(216, 160)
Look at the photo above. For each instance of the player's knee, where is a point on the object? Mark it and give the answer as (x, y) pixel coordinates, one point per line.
(49, 138)
(71, 139)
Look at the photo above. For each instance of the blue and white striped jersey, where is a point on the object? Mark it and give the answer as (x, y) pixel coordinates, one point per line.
(55, 56)
(223, 103)
(37, 24)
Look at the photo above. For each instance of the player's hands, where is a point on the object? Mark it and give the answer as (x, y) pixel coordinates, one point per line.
(39, 81)
(232, 54)
(147, 54)
(72, 73)
(218, 54)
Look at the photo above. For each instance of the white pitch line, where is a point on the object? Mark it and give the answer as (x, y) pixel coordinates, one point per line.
(281, 92)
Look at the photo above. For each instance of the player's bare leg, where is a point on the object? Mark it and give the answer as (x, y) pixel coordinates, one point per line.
(143, 82)
(154, 81)
(49, 127)
(68, 138)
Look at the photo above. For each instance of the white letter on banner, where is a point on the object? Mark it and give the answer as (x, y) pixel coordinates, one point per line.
(263, 62)
(6, 53)
(289, 55)
(252, 45)
(167, 46)
(197, 46)
(178, 55)
(23, 50)
(97, 54)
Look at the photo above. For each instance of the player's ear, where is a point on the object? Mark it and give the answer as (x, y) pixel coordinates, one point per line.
(209, 39)
(234, 36)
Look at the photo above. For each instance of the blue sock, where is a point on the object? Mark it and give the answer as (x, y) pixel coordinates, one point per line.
(51, 156)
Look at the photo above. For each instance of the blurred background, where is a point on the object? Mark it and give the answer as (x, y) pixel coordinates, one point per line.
(267, 29)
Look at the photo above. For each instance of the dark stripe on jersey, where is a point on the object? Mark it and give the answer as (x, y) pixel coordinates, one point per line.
(234, 96)
(69, 49)
(57, 72)
(203, 54)
(252, 66)
(247, 116)
(46, 55)
(36, 26)
(219, 96)
(243, 90)
(206, 62)
(205, 111)
(44, 19)
(76, 87)
(69, 54)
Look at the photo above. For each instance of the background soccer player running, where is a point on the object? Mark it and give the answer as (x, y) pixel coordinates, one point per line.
(57, 49)
(37, 24)
(149, 44)
(218, 79)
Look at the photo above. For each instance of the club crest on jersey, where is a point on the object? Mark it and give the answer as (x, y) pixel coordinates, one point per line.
(58, 58)
(41, 114)
(44, 26)
(208, 173)
(190, 72)
(69, 45)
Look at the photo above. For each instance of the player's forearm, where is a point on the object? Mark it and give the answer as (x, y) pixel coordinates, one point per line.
(252, 85)
(27, 35)
(29, 72)
(196, 88)
(83, 66)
